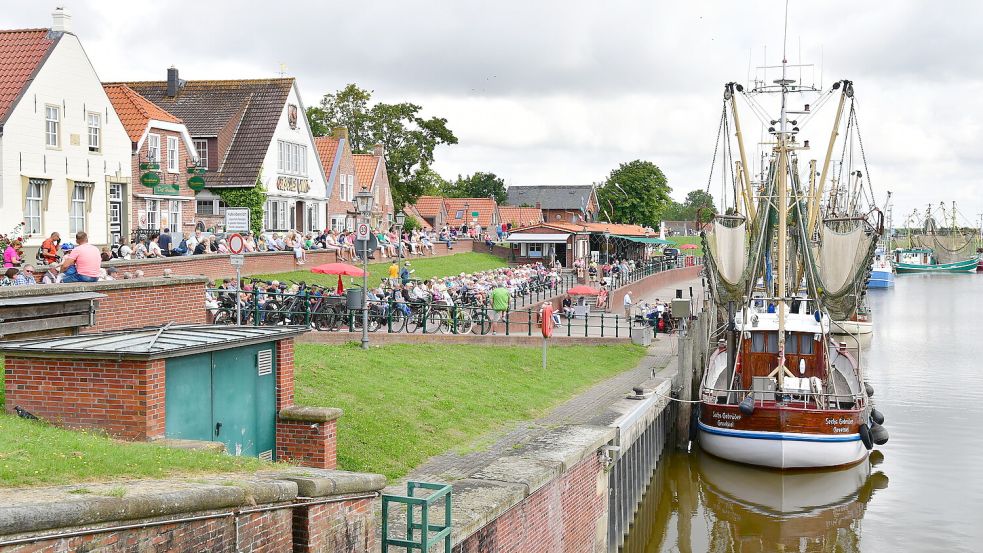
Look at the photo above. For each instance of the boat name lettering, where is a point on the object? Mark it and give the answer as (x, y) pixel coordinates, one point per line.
(840, 430)
(833, 422)
(727, 416)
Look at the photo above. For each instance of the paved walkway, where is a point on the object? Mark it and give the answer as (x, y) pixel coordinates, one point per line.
(590, 407)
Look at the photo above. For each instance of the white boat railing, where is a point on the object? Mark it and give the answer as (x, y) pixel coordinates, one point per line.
(795, 400)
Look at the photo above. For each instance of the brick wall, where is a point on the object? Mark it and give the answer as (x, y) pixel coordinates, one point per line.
(217, 265)
(261, 532)
(569, 514)
(284, 374)
(186, 194)
(307, 443)
(347, 526)
(651, 284)
(126, 398)
(140, 307)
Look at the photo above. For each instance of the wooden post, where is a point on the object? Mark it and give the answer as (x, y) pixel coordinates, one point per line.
(685, 358)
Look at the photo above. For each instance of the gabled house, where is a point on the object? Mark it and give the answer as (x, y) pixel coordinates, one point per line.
(470, 211)
(432, 210)
(248, 131)
(371, 174)
(64, 155)
(571, 204)
(411, 211)
(335, 152)
(162, 152)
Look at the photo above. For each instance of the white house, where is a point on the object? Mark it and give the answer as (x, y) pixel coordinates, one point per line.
(249, 130)
(64, 154)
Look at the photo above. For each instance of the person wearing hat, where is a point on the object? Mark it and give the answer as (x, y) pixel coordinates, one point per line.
(405, 272)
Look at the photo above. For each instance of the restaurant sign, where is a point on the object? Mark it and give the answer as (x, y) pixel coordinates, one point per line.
(293, 184)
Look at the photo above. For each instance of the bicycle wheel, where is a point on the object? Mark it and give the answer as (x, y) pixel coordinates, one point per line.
(223, 317)
(482, 324)
(464, 322)
(272, 313)
(414, 322)
(398, 321)
(436, 322)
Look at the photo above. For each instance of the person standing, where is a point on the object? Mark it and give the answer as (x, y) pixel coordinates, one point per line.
(628, 306)
(82, 264)
(500, 304)
(393, 273)
(405, 272)
(164, 241)
(10, 257)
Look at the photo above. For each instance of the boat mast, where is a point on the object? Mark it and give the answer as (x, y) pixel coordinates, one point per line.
(782, 149)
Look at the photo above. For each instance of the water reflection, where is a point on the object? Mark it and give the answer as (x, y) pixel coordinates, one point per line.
(708, 504)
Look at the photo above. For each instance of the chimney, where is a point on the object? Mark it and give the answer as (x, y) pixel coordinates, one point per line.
(173, 82)
(61, 20)
(379, 150)
(340, 132)
(539, 205)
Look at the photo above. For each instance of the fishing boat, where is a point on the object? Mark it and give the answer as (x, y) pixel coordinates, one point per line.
(779, 391)
(923, 260)
(861, 322)
(881, 274)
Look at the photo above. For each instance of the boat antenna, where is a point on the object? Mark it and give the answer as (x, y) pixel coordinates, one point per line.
(785, 37)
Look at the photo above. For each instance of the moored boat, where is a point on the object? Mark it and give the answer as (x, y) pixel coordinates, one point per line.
(881, 274)
(862, 322)
(923, 260)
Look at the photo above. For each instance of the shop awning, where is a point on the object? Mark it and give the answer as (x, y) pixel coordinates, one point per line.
(643, 239)
(537, 238)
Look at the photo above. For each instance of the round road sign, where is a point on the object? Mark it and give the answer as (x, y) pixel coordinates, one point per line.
(236, 244)
(362, 231)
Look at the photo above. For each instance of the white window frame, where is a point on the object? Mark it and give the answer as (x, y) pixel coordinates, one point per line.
(292, 159)
(201, 145)
(34, 223)
(153, 214)
(52, 126)
(338, 222)
(343, 193)
(275, 217)
(76, 216)
(172, 155)
(174, 215)
(351, 187)
(93, 121)
(153, 148)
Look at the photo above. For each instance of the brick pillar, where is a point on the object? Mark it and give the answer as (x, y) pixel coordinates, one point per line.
(307, 436)
(284, 374)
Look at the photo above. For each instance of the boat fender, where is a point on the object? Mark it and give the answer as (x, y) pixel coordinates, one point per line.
(876, 417)
(747, 406)
(865, 437)
(879, 434)
(869, 389)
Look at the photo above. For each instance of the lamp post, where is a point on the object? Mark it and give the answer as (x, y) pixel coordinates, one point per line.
(363, 206)
(607, 246)
(400, 219)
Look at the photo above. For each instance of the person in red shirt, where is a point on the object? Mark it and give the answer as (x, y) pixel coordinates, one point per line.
(49, 248)
(82, 265)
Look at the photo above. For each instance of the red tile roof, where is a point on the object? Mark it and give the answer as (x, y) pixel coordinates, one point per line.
(411, 211)
(484, 206)
(22, 52)
(135, 110)
(429, 206)
(327, 147)
(595, 228)
(519, 216)
(365, 168)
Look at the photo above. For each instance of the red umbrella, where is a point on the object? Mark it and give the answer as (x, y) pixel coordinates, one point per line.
(583, 290)
(688, 247)
(340, 269)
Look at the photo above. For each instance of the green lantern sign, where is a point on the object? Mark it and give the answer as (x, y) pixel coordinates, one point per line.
(150, 179)
(196, 183)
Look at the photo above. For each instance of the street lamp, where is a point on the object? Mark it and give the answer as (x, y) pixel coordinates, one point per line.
(400, 219)
(363, 207)
(607, 246)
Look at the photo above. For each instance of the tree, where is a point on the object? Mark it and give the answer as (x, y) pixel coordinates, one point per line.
(634, 193)
(409, 139)
(430, 182)
(699, 203)
(479, 185)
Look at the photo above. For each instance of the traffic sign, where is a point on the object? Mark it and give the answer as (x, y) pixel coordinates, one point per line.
(237, 260)
(362, 231)
(236, 243)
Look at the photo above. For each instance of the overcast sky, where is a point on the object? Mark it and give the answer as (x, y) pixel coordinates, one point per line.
(544, 92)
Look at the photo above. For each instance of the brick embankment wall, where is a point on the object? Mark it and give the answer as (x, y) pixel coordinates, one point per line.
(216, 266)
(335, 527)
(568, 514)
(515, 339)
(124, 398)
(140, 303)
(649, 285)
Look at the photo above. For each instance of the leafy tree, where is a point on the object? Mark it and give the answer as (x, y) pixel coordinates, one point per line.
(430, 182)
(699, 203)
(409, 139)
(411, 223)
(479, 185)
(675, 211)
(634, 193)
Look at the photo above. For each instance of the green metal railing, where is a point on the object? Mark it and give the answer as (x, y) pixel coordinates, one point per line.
(422, 535)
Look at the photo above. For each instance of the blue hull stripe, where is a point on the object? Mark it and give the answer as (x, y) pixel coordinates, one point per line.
(777, 435)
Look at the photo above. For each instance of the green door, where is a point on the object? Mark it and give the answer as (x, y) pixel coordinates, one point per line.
(227, 396)
(187, 398)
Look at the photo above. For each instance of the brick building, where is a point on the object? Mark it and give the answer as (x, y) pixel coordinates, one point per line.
(432, 210)
(335, 152)
(519, 216)
(371, 174)
(161, 147)
(570, 204)
(461, 212)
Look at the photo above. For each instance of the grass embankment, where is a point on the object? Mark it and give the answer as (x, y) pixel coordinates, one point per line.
(680, 240)
(36, 453)
(424, 267)
(405, 403)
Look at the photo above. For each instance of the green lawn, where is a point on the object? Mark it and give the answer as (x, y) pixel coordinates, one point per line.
(36, 453)
(405, 403)
(680, 240)
(425, 267)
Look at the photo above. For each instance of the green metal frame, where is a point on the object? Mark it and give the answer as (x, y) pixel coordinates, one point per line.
(430, 534)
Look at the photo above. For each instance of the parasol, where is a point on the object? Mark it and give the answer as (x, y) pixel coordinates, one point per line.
(340, 269)
(688, 247)
(583, 291)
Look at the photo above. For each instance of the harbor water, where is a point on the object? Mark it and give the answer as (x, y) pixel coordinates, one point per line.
(922, 491)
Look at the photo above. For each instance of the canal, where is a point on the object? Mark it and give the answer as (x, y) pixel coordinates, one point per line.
(923, 491)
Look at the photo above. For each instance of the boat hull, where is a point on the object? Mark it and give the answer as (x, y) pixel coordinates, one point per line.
(965, 266)
(880, 279)
(781, 437)
(853, 327)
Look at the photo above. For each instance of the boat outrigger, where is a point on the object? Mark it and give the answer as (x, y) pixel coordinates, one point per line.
(779, 391)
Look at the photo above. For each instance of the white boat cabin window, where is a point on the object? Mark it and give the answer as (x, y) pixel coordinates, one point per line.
(764, 342)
